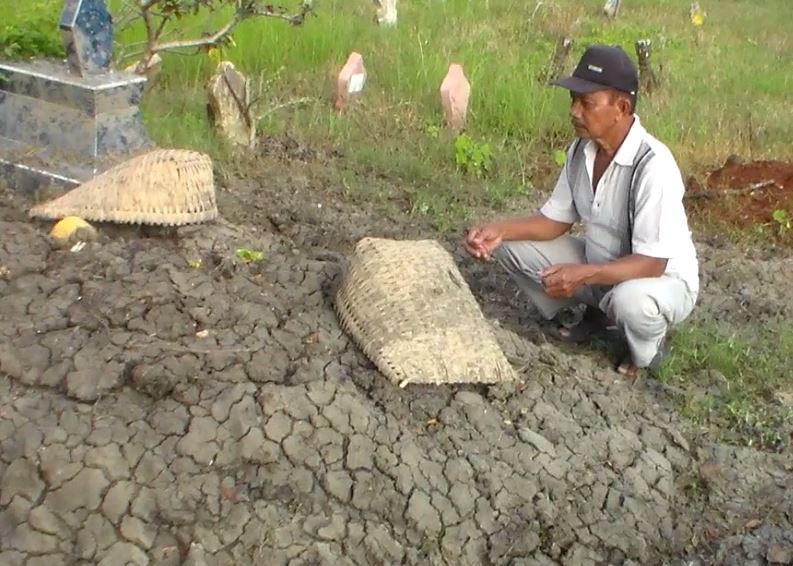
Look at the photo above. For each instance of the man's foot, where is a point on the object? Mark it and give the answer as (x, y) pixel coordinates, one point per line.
(631, 371)
(594, 323)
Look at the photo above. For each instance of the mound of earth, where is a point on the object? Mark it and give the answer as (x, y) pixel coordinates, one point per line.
(745, 193)
(163, 401)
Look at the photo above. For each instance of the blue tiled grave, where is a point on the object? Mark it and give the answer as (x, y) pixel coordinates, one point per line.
(63, 122)
(87, 31)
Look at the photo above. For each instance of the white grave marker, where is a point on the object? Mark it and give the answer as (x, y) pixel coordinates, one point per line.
(351, 80)
(611, 8)
(455, 92)
(386, 12)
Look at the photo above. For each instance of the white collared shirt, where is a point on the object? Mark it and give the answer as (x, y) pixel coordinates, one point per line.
(660, 225)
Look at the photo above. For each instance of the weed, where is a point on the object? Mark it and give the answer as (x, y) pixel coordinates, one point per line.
(443, 211)
(783, 220)
(248, 256)
(472, 157)
(499, 195)
(559, 157)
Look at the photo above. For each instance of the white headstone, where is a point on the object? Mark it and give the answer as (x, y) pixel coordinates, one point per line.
(455, 91)
(351, 80)
(611, 8)
(386, 12)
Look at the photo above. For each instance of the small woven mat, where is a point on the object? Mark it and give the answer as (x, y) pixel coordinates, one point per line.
(164, 186)
(407, 306)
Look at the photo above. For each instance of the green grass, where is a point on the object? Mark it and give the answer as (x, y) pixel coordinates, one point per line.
(739, 382)
(31, 28)
(725, 86)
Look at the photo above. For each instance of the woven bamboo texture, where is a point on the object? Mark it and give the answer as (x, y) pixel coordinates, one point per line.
(409, 309)
(164, 186)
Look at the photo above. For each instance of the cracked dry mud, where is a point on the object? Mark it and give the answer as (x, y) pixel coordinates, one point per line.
(156, 413)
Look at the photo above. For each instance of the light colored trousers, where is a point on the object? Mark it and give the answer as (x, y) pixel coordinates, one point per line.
(643, 309)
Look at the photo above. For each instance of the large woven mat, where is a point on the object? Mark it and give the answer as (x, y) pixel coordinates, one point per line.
(407, 306)
(164, 186)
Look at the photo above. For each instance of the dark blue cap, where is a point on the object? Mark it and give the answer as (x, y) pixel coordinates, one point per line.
(602, 67)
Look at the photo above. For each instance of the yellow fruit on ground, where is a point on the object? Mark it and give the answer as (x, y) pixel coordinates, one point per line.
(70, 227)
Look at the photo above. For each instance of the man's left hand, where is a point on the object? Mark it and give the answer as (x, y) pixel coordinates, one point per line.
(562, 280)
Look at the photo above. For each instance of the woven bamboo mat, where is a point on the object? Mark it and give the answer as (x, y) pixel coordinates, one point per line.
(164, 186)
(409, 309)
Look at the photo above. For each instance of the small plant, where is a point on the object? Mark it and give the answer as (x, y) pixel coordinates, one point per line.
(472, 157)
(248, 256)
(559, 157)
(432, 130)
(783, 219)
(421, 203)
(442, 211)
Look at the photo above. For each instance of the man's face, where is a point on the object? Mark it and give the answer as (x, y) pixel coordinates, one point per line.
(593, 114)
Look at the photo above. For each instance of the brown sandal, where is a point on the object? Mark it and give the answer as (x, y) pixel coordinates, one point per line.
(628, 369)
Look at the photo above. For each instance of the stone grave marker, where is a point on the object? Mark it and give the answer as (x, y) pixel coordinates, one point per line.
(559, 59)
(351, 80)
(455, 92)
(697, 14)
(647, 78)
(611, 8)
(386, 12)
(87, 34)
(229, 95)
(63, 122)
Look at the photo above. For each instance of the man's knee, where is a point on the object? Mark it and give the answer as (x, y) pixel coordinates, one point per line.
(503, 255)
(519, 257)
(631, 305)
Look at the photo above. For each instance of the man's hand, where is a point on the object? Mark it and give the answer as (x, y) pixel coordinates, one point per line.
(562, 280)
(481, 241)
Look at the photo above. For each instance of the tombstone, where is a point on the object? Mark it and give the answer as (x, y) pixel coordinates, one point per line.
(63, 122)
(455, 91)
(386, 12)
(697, 14)
(647, 77)
(351, 80)
(611, 8)
(559, 59)
(229, 107)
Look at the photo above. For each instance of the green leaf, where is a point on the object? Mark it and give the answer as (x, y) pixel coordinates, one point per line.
(559, 157)
(248, 256)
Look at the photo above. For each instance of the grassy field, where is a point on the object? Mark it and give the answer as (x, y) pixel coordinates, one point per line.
(725, 90)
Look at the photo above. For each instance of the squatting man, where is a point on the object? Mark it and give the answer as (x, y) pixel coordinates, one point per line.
(635, 267)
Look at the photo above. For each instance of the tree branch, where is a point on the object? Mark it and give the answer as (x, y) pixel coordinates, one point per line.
(244, 9)
(744, 191)
(207, 41)
(271, 11)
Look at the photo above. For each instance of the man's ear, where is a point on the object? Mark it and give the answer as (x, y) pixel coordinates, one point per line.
(624, 105)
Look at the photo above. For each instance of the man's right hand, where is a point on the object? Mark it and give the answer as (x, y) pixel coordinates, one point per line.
(483, 240)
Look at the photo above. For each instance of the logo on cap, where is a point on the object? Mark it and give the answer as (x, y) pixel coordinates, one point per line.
(594, 68)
